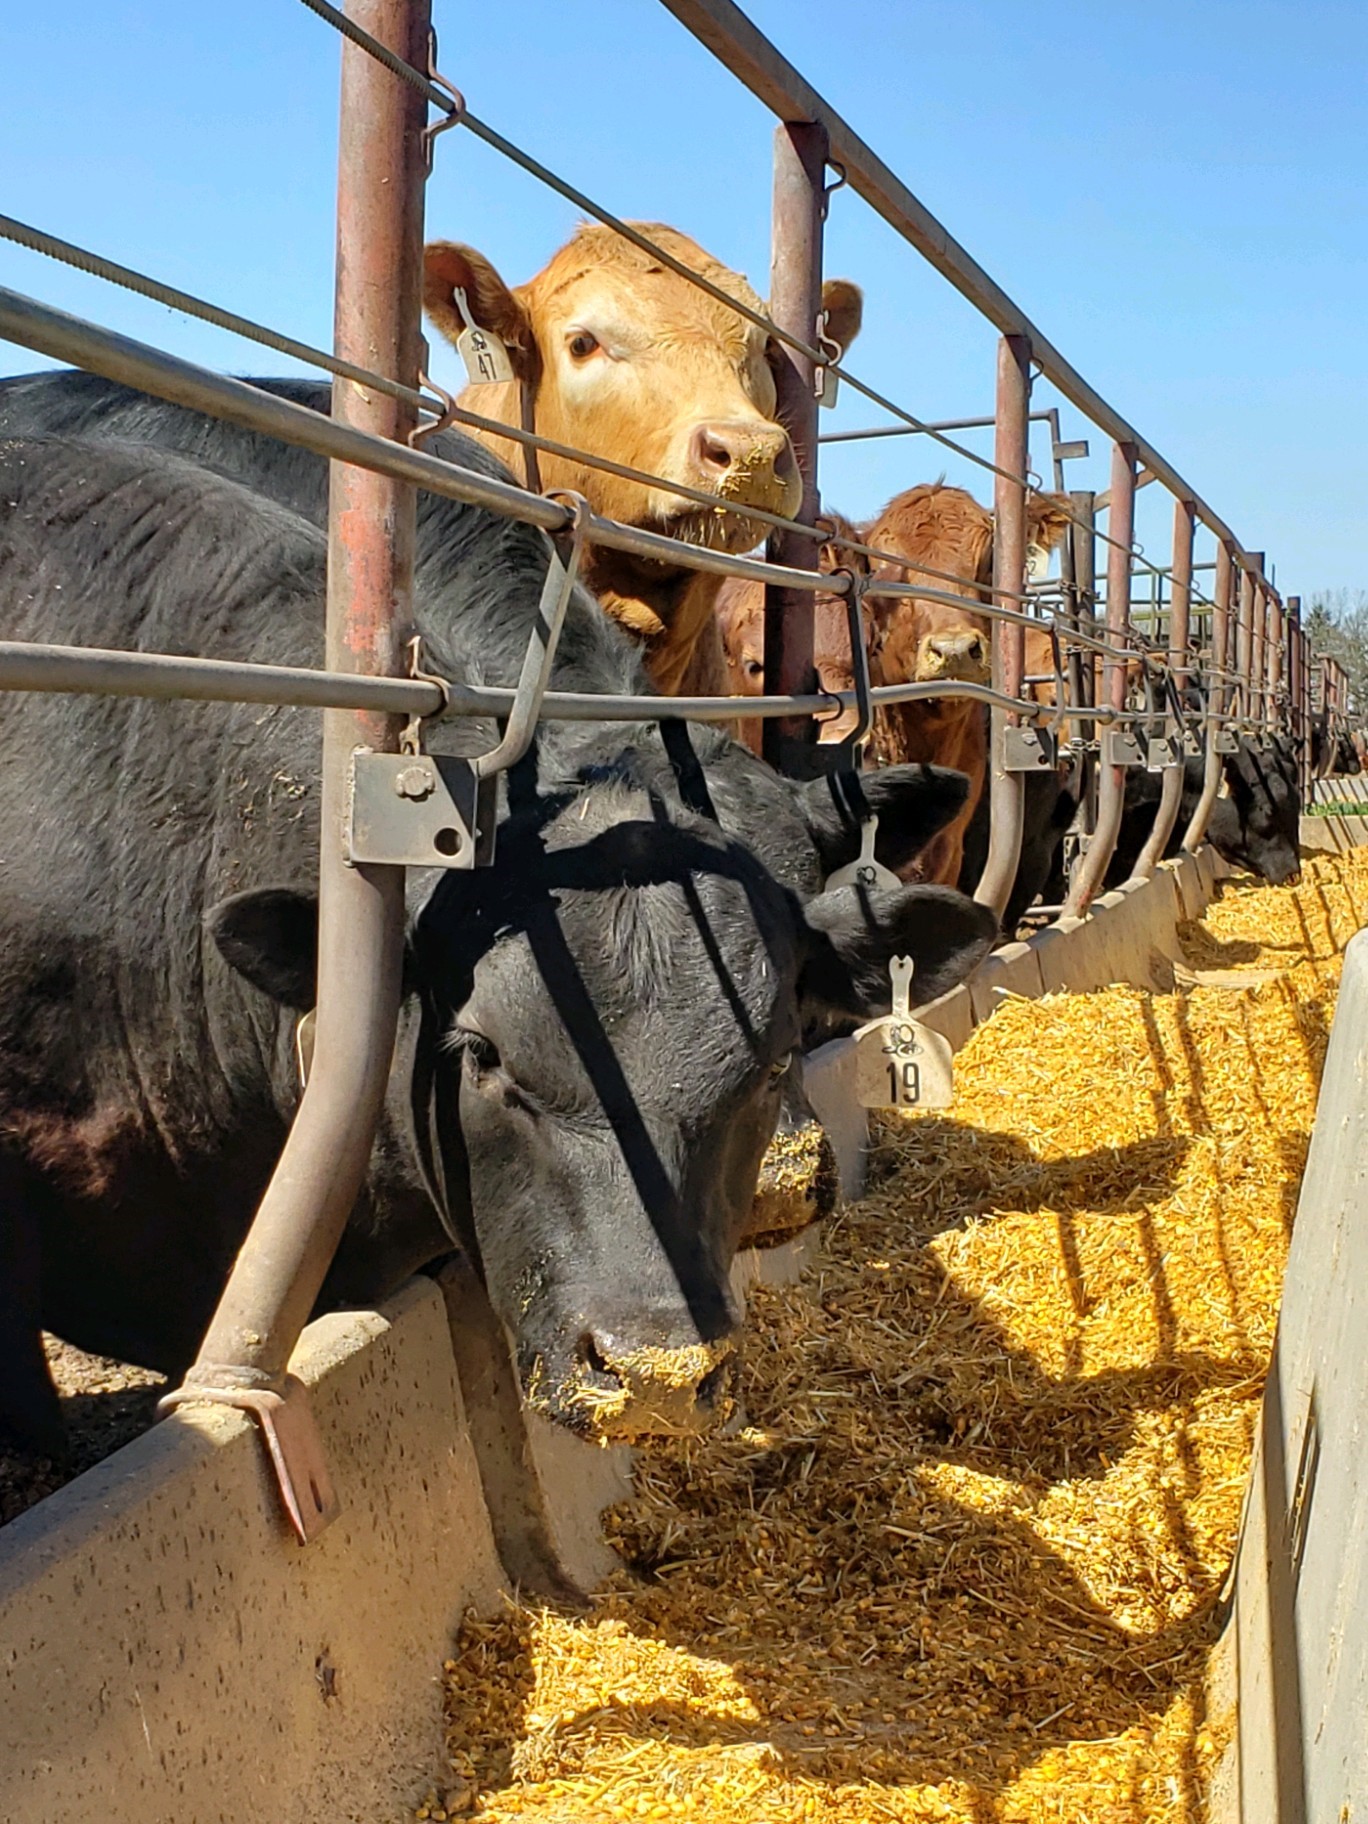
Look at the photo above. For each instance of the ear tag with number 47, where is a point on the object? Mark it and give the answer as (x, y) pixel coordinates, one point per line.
(486, 358)
(899, 1063)
(864, 871)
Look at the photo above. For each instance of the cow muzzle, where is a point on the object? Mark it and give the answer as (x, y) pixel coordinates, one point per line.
(959, 657)
(747, 461)
(621, 1389)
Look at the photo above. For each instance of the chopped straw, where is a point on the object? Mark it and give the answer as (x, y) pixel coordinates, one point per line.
(963, 1561)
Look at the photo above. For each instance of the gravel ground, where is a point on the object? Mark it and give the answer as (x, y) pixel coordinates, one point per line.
(105, 1403)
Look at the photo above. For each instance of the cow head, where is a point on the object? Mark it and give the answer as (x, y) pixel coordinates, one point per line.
(625, 359)
(741, 621)
(1258, 824)
(923, 641)
(600, 1026)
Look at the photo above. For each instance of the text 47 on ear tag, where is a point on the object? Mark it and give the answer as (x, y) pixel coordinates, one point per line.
(899, 1063)
(864, 871)
(486, 358)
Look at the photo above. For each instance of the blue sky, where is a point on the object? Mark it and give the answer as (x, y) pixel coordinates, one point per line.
(1177, 195)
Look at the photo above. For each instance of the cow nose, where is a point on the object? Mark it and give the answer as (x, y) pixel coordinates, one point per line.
(637, 1389)
(742, 459)
(954, 655)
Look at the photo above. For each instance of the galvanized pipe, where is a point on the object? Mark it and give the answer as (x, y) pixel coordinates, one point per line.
(799, 205)
(1217, 695)
(1180, 602)
(1011, 453)
(283, 1262)
(1111, 779)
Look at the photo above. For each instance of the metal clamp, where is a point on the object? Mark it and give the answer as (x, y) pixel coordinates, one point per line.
(454, 115)
(292, 1441)
(415, 809)
(853, 746)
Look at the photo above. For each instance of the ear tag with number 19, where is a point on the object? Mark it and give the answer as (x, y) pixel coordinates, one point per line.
(486, 358)
(864, 871)
(899, 1063)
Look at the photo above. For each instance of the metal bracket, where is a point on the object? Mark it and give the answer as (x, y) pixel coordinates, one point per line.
(296, 1450)
(419, 811)
(1192, 743)
(1162, 752)
(1226, 741)
(1121, 747)
(1028, 750)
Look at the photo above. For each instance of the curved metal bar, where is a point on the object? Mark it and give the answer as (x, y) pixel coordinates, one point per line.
(1171, 795)
(1111, 779)
(1006, 788)
(1195, 833)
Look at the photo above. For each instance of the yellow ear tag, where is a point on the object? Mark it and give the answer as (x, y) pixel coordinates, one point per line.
(899, 1063)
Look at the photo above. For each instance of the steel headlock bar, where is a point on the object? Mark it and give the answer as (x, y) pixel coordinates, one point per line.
(414, 809)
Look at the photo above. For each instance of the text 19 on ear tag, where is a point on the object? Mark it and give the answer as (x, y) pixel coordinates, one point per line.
(899, 1063)
(486, 358)
(864, 871)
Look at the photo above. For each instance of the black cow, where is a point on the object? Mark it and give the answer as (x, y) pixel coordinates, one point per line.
(1049, 803)
(595, 1029)
(1255, 824)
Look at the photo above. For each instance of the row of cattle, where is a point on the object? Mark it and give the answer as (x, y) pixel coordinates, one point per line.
(597, 1031)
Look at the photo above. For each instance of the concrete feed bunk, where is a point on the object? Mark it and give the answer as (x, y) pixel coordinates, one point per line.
(968, 1543)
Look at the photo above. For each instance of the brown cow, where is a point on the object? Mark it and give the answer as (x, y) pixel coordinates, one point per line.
(741, 623)
(619, 356)
(917, 640)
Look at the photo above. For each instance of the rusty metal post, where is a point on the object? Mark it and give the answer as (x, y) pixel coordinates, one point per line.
(286, 1256)
(1219, 695)
(799, 206)
(1258, 650)
(1111, 787)
(1244, 645)
(1296, 689)
(1274, 655)
(1011, 453)
(1180, 608)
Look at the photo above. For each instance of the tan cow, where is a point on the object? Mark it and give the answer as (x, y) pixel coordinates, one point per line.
(741, 622)
(619, 356)
(916, 640)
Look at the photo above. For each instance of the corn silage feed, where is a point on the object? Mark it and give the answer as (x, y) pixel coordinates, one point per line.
(963, 1560)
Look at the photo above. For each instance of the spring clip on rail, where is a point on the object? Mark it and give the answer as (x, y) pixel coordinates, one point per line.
(415, 809)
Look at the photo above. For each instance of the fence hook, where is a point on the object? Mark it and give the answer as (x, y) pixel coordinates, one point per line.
(454, 115)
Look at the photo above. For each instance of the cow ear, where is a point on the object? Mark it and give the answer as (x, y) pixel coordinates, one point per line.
(853, 934)
(1047, 520)
(270, 936)
(843, 302)
(913, 803)
(449, 267)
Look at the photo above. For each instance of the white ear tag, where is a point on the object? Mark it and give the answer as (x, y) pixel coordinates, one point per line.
(864, 871)
(1037, 563)
(899, 1063)
(486, 358)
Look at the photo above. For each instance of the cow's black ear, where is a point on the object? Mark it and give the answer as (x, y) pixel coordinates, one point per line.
(270, 936)
(912, 804)
(853, 934)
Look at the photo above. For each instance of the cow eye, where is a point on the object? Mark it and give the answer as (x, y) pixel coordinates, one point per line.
(582, 344)
(781, 1067)
(481, 1056)
(755, 668)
